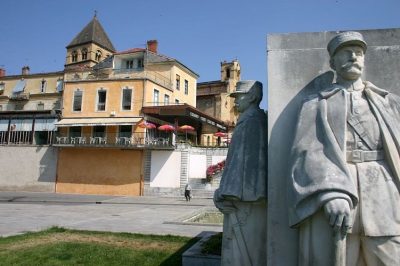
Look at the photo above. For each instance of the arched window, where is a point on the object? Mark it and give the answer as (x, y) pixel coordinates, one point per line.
(98, 55)
(84, 54)
(74, 56)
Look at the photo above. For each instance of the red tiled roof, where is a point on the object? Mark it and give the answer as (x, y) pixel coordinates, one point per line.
(133, 50)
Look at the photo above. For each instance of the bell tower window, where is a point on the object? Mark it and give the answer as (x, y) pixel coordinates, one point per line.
(84, 54)
(98, 55)
(74, 56)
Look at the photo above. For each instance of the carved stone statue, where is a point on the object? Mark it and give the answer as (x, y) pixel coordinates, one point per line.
(242, 192)
(344, 183)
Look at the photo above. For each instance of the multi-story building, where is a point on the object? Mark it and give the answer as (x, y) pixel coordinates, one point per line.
(99, 119)
(29, 106)
(104, 132)
(213, 99)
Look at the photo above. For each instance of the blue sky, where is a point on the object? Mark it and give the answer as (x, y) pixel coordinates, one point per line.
(199, 33)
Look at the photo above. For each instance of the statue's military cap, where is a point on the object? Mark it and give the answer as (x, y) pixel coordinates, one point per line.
(344, 39)
(245, 86)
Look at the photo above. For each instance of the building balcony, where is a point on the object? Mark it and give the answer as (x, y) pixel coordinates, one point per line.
(115, 140)
(123, 73)
(19, 97)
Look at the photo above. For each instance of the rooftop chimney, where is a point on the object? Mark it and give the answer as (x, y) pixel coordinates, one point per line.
(152, 45)
(2, 72)
(25, 70)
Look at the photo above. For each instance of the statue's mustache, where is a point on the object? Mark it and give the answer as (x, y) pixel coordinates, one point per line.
(350, 64)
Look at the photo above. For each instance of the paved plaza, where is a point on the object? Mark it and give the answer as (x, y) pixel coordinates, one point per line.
(23, 211)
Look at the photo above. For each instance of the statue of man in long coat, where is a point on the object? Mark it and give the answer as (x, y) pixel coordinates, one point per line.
(242, 192)
(344, 183)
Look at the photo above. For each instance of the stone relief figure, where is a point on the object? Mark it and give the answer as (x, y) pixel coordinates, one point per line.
(344, 183)
(243, 187)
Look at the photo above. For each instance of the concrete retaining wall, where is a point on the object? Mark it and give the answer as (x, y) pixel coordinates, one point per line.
(28, 168)
(165, 169)
(167, 172)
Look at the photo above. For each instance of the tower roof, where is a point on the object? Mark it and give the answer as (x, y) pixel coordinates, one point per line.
(93, 32)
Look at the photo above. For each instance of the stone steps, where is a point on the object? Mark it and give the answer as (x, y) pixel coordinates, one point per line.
(202, 193)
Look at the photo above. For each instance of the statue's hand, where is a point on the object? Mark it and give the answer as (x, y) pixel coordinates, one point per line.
(338, 213)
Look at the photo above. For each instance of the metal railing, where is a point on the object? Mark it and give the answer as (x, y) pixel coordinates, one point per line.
(126, 73)
(26, 137)
(124, 140)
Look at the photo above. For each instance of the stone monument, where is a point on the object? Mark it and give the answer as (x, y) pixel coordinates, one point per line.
(242, 192)
(344, 181)
(299, 69)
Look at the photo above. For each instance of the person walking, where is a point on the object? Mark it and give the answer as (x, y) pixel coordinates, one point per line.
(188, 190)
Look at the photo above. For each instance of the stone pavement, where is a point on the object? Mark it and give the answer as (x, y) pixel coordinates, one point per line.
(27, 211)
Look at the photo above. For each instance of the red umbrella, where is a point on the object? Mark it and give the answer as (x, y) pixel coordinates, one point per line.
(186, 128)
(146, 124)
(166, 128)
(220, 134)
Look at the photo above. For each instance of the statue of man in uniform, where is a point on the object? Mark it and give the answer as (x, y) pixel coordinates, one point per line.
(344, 183)
(242, 192)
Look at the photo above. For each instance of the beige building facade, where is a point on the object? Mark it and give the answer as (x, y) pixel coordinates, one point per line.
(29, 106)
(213, 99)
(103, 133)
(98, 120)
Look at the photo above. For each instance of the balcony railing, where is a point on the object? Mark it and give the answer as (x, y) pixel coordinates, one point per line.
(19, 97)
(112, 140)
(126, 73)
(24, 138)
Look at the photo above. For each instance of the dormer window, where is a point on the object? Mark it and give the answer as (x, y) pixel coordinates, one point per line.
(129, 64)
(140, 63)
(74, 56)
(84, 54)
(132, 63)
(98, 55)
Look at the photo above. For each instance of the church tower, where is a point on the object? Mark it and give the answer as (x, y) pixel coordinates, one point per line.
(230, 73)
(89, 47)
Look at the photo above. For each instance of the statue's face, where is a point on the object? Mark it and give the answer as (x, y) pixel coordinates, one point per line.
(242, 102)
(348, 62)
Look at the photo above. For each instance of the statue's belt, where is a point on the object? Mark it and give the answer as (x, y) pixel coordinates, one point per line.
(359, 156)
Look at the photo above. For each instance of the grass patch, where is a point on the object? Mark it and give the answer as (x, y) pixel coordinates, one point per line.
(212, 245)
(60, 246)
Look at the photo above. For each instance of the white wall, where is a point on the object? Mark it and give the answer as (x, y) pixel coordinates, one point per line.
(197, 166)
(28, 168)
(217, 159)
(165, 169)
